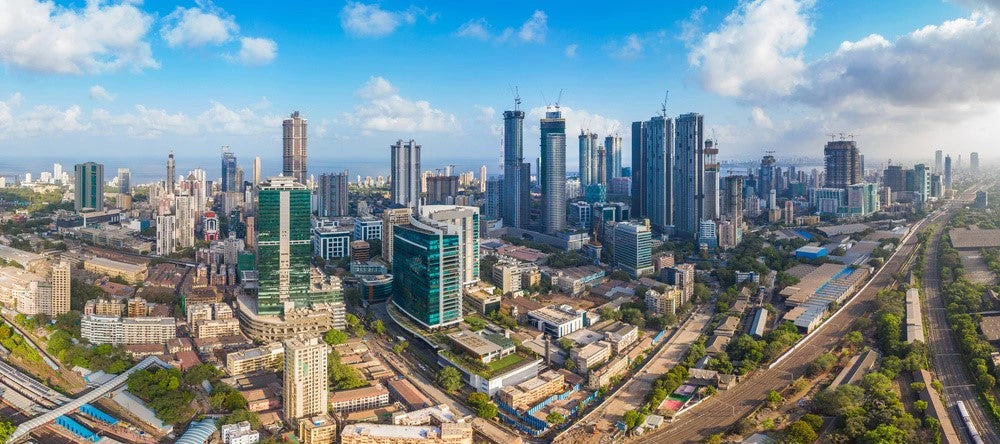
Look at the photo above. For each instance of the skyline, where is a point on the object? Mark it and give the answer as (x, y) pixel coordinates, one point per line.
(227, 74)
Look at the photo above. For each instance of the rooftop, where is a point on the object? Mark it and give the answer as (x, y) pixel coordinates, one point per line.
(358, 393)
(100, 261)
(964, 238)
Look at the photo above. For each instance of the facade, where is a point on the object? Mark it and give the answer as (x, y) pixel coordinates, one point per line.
(591, 355)
(213, 328)
(766, 176)
(229, 167)
(442, 190)
(710, 207)
(613, 151)
(527, 394)
(405, 173)
(367, 228)
(364, 398)
(171, 173)
(689, 174)
(331, 194)
(658, 177)
(26, 292)
(319, 429)
(283, 245)
(588, 158)
(494, 190)
(131, 273)
(124, 181)
(843, 164)
(184, 211)
(294, 152)
(331, 243)
(664, 302)
(306, 383)
(60, 283)
(266, 357)
(516, 194)
(638, 184)
(947, 173)
(239, 433)
(376, 289)
(552, 173)
(463, 221)
(556, 321)
(633, 248)
(427, 274)
(116, 330)
(88, 186)
(390, 218)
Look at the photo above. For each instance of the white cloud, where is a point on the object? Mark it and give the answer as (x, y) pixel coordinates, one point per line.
(757, 51)
(97, 92)
(370, 20)
(199, 25)
(488, 118)
(43, 37)
(571, 50)
(576, 120)
(385, 110)
(631, 49)
(256, 51)
(533, 30)
(759, 118)
(691, 28)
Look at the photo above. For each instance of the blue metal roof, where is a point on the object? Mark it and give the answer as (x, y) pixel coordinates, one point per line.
(198, 432)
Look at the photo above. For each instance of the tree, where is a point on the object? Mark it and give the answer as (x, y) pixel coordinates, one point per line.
(632, 419)
(485, 408)
(400, 346)
(378, 327)
(920, 405)
(334, 337)
(774, 398)
(6, 429)
(714, 439)
(634, 316)
(475, 323)
(821, 364)
(884, 434)
(555, 418)
(449, 378)
(814, 421)
(565, 343)
(800, 432)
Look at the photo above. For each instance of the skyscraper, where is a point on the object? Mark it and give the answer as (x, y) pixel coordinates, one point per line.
(588, 158)
(613, 150)
(843, 164)
(165, 243)
(229, 167)
(947, 173)
(284, 246)
(171, 173)
(638, 169)
(938, 161)
(392, 217)
(441, 190)
(553, 171)
(306, 381)
(711, 206)
(294, 148)
(633, 249)
(516, 196)
(405, 171)
(463, 221)
(482, 178)
(491, 209)
(331, 195)
(766, 180)
(426, 274)
(601, 177)
(60, 288)
(658, 174)
(974, 162)
(89, 186)
(184, 223)
(256, 172)
(124, 181)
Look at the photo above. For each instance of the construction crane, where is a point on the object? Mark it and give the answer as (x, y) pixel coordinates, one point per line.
(663, 106)
(559, 99)
(517, 97)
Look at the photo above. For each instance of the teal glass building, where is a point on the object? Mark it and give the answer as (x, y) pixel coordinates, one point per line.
(426, 274)
(284, 247)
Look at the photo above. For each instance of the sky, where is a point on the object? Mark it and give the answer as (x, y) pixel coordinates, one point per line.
(86, 80)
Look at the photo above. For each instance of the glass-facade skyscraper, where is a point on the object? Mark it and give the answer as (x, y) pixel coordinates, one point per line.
(657, 178)
(331, 194)
(88, 186)
(689, 174)
(426, 274)
(553, 171)
(613, 151)
(405, 173)
(516, 196)
(284, 246)
(229, 168)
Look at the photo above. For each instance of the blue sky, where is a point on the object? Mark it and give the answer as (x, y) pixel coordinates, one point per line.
(136, 79)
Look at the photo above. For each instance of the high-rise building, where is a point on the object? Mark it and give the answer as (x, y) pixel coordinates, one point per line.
(613, 149)
(294, 154)
(843, 164)
(552, 174)
(165, 243)
(229, 167)
(974, 162)
(171, 173)
(89, 186)
(124, 181)
(638, 168)
(491, 209)
(283, 243)
(633, 249)
(256, 172)
(732, 197)
(689, 174)
(766, 180)
(482, 178)
(184, 223)
(939, 162)
(331, 195)
(516, 196)
(947, 173)
(921, 182)
(658, 172)
(306, 381)
(442, 190)
(60, 282)
(894, 178)
(601, 178)
(463, 221)
(588, 158)
(426, 274)
(405, 171)
(57, 171)
(392, 217)
(710, 209)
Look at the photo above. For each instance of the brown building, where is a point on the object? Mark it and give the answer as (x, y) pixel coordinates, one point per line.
(318, 430)
(360, 251)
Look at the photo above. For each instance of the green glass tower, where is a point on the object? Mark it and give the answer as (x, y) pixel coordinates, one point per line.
(284, 247)
(426, 274)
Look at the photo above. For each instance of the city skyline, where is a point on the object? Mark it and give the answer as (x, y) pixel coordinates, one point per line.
(85, 95)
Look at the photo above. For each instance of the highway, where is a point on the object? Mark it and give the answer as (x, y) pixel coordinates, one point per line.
(949, 366)
(720, 412)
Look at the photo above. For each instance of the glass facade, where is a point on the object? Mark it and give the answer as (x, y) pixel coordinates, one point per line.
(284, 248)
(426, 279)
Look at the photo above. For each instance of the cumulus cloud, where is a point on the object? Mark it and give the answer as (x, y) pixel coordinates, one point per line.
(631, 49)
(97, 92)
(576, 120)
(571, 50)
(759, 118)
(371, 21)
(488, 118)
(199, 25)
(757, 51)
(383, 109)
(43, 37)
(256, 51)
(533, 30)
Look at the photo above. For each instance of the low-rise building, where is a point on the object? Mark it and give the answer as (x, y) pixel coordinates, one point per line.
(528, 393)
(621, 335)
(405, 392)
(363, 398)
(119, 331)
(449, 433)
(604, 375)
(664, 302)
(265, 357)
(481, 300)
(320, 429)
(557, 321)
(239, 433)
(131, 273)
(104, 307)
(216, 327)
(485, 348)
(590, 356)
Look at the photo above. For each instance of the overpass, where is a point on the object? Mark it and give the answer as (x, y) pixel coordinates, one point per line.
(30, 425)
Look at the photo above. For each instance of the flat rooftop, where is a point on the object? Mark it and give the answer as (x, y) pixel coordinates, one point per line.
(966, 238)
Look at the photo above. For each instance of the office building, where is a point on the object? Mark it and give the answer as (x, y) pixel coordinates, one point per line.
(306, 383)
(463, 221)
(392, 217)
(894, 178)
(556, 321)
(552, 173)
(427, 274)
(442, 190)
(405, 184)
(708, 234)
(766, 180)
(88, 186)
(689, 174)
(974, 162)
(588, 158)
(367, 228)
(494, 190)
(843, 164)
(602, 167)
(658, 173)
(613, 151)
(171, 173)
(256, 173)
(633, 249)
(947, 173)
(124, 181)
(229, 167)
(638, 185)
(516, 196)
(330, 242)
(294, 153)
(939, 162)
(283, 244)
(165, 244)
(710, 210)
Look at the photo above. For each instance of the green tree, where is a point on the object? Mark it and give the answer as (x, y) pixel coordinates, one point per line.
(475, 323)
(920, 405)
(774, 399)
(632, 419)
(814, 421)
(822, 363)
(800, 432)
(334, 337)
(714, 439)
(400, 346)
(378, 327)
(485, 408)
(884, 434)
(6, 429)
(555, 418)
(449, 378)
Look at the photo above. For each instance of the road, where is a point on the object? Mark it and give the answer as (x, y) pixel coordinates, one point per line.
(718, 413)
(949, 366)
